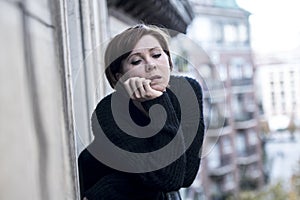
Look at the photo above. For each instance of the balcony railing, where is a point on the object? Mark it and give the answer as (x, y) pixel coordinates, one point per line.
(245, 124)
(222, 170)
(245, 116)
(250, 155)
(243, 81)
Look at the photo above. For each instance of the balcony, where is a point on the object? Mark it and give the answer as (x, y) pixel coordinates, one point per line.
(250, 178)
(245, 124)
(242, 82)
(239, 89)
(247, 160)
(244, 116)
(229, 186)
(249, 156)
(222, 170)
(220, 131)
(223, 187)
(226, 159)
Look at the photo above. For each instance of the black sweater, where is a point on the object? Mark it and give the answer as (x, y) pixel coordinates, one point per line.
(101, 177)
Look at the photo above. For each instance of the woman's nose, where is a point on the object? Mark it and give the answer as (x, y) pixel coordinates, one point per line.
(150, 66)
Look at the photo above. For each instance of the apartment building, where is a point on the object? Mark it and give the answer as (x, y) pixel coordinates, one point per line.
(278, 81)
(234, 163)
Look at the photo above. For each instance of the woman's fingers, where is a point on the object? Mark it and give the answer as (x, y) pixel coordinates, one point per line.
(150, 93)
(127, 86)
(134, 87)
(140, 89)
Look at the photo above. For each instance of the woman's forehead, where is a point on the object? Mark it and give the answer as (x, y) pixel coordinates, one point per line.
(145, 50)
(147, 41)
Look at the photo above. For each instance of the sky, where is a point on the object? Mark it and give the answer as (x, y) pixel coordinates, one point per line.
(275, 24)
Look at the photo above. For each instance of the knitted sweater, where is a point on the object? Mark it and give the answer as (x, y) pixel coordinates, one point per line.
(100, 180)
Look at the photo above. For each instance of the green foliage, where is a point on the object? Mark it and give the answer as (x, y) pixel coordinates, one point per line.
(273, 192)
(276, 191)
(295, 183)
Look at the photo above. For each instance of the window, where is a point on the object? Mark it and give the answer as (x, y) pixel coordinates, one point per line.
(215, 116)
(222, 72)
(229, 181)
(214, 157)
(252, 137)
(227, 145)
(243, 33)
(237, 106)
(236, 71)
(248, 70)
(240, 144)
(230, 33)
(218, 32)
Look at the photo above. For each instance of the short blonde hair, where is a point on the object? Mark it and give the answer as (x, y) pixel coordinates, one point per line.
(122, 44)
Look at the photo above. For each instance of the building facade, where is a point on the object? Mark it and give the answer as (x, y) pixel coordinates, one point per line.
(234, 163)
(280, 101)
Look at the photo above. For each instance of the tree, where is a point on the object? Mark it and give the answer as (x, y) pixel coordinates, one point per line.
(295, 183)
(273, 192)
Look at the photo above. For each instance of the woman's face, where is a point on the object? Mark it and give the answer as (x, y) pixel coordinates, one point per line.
(148, 60)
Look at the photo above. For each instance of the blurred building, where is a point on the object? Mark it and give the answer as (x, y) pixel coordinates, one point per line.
(52, 76)
(234, 159)
(278, 77)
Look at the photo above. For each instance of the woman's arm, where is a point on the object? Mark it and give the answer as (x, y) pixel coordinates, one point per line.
(162, 178)
(177, 173)
(171, 177)
(188, 119)
(193, 153)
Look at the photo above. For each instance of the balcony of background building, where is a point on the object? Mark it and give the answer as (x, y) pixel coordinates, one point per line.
(246, 147)
(220, 160)
(248, 156)
(242, 82)
(215, 115)
(243, 106)
(249, 176)
(222, 187)
(241, 71)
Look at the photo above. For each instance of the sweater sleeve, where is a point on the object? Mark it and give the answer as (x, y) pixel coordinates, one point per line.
(181, 171)
(193, 153)
(166, 178)
(171, 177)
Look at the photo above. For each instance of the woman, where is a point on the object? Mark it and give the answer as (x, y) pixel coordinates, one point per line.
(149, 132)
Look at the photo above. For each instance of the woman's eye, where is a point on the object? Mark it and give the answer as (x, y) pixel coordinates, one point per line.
(135, 62)
(156, 55)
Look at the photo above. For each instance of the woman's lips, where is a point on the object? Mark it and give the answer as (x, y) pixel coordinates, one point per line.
(154, 79)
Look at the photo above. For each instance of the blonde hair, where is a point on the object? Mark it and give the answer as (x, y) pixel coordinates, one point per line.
(122, 44)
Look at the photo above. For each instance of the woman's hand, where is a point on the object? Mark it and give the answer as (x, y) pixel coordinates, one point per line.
(139, 89)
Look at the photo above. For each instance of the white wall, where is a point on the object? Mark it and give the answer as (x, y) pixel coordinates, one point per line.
(38, 144)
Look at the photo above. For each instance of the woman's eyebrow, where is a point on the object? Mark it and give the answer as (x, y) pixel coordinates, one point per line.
(155, 48)
(134, 54)
(146, 48)
(140, 53)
